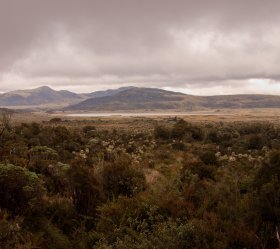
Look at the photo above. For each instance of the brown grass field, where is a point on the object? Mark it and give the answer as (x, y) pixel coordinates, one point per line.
(143, 122)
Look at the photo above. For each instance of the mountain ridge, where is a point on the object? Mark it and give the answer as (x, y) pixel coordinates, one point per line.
(157, 99)
(131, 98)
(39, 96)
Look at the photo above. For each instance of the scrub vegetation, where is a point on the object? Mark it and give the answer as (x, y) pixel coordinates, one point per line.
(177, 184)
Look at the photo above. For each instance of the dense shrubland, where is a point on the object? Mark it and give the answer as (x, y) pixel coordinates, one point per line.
(181, 185)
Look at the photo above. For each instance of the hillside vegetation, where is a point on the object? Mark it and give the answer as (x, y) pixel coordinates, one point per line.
(152, 99)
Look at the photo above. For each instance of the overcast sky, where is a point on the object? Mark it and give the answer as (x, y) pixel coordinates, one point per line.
(200, 47)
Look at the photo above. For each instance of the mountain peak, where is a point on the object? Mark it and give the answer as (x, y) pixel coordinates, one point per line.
(43, 88)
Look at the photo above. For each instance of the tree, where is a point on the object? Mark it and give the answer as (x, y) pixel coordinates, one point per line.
(85, 189)
(267, 199)
(5, 121)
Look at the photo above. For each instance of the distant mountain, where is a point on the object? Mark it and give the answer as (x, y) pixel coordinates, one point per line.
(45, 96)
(150, 99)
(41, 96)
(109, 92)
(242, 101)
(131, 99)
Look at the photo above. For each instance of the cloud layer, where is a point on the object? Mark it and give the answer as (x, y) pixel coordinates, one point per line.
(200, 47)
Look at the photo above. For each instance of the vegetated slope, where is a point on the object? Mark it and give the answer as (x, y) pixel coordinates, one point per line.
(243, 101)
(157, 99)
(39, 96)
(138, 99)
(109, 92)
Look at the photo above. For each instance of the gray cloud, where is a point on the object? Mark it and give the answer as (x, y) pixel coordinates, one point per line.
(180, 44)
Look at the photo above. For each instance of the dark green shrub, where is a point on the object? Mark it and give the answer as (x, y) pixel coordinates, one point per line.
(183, 129)
(256, 142)
(85, 190)
(89, 128)
(208, 157)
(21, 191)
(121, 178)
(162, 132)
(55, 120)
(179, 146)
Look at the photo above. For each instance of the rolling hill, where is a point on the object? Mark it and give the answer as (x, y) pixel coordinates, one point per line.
(47, 97)
(42, 96)
(109, 92)
(150, 99)
(131, 99)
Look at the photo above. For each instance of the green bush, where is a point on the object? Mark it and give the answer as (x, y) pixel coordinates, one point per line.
(121, 178)
(208, 157)
(183, 129)
(162, 132)
(85, 189)
(21, 191)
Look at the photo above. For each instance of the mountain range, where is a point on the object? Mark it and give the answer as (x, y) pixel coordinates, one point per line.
(131, 99)
(41, 96)
(46, 97)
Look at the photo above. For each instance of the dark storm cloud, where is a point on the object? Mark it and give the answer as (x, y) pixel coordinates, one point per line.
(94, 44)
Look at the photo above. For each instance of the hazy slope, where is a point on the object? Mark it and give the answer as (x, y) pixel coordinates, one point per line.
(133, 99)
(157, 99)
(45, 96)
(243, 101)
(139, 99)
(109, 92)
(39, 96)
